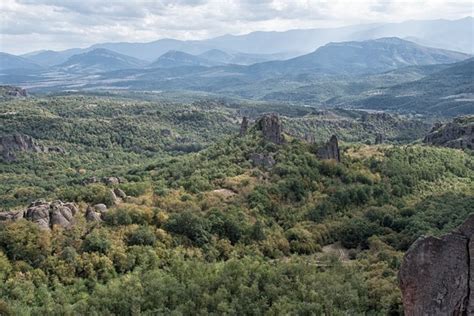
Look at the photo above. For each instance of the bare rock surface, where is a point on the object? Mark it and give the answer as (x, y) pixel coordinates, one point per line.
(436, 274)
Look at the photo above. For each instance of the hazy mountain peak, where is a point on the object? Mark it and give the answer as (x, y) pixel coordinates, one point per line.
(99, 60)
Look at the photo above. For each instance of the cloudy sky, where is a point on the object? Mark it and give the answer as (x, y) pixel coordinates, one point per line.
(28, 25)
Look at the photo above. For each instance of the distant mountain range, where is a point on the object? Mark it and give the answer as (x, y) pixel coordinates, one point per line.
(264, 46)
(385, 73)
(371, 56)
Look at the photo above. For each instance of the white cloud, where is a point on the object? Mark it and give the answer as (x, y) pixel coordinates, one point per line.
(27, 25)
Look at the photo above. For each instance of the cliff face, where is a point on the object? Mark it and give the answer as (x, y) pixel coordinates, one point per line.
(457, 134)
(437, 274)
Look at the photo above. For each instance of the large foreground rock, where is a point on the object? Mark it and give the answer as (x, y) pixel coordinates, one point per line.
(436, 275)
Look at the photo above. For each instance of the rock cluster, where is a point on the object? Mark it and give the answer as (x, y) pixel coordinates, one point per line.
(437, 274)
(457, 134)
(95, 213)
(45, 214)
(271, 128)
(10, 144)
(330, 150)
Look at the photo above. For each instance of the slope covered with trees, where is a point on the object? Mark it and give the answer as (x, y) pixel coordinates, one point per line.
(213, 231)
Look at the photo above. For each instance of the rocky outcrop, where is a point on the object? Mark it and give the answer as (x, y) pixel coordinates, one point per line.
(244, 126)
(457, 134)
(13, 92)
(379, 139)
(92, 215)
(437, 274)
(271, 128)
(10, 144)
(120, 193)
(330, 150)
(45, 214)
(262, 160)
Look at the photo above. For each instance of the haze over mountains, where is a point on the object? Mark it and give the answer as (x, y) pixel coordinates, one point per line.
(349, 66)
(455, 35)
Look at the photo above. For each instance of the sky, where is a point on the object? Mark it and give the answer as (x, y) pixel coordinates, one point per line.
(29, 25)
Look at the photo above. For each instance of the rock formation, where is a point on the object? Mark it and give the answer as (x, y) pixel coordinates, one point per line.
(379, 139)
(120, 193)
(244, 126)
(13, 92)
(457, 134)
(271, 128)
(92, 215)
(262, 160)
(10, 144)
(330, 150)
(437, 274)
(45, 214)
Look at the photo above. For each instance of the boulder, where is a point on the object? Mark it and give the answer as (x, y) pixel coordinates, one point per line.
(436, 274)
(38, 213)
(92, 215)
(330, 150)
(101, 208)
(47, 214)
(120, 193)
(111, 180)
(61, 214)
(271, 128)
(12, 215)
(244, 126)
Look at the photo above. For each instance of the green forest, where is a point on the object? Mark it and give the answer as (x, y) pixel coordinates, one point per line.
(203, 229)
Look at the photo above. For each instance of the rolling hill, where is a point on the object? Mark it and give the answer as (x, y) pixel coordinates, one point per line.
(100, 60)
(371, 56)
(447, 92)
(175, 58)
(10, 62)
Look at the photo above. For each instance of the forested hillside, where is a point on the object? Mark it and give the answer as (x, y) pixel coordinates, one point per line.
(211, 222)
